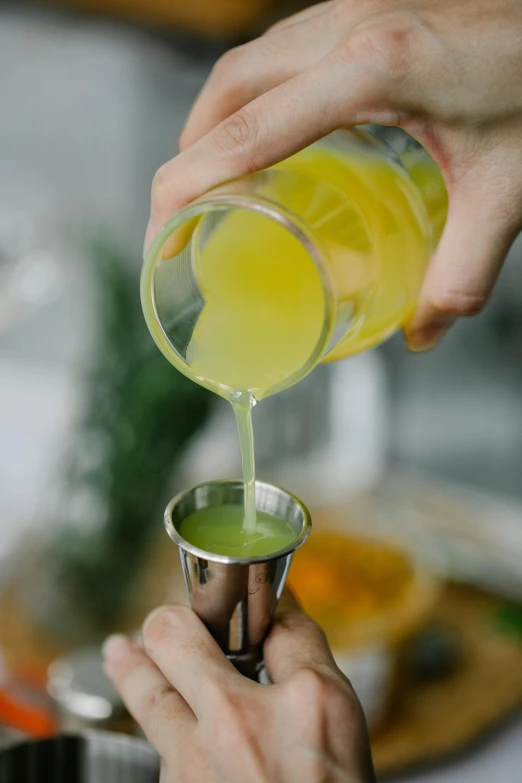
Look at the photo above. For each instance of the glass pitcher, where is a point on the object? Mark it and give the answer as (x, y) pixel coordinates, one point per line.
(317, 258)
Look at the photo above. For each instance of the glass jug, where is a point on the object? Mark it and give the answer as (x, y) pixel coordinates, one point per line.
(315, 259)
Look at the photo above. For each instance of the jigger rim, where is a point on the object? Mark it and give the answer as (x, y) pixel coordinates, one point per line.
(228, 559)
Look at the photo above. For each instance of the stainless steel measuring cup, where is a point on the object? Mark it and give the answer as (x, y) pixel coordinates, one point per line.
(236, 597)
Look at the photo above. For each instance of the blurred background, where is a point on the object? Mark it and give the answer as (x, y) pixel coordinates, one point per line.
(422, 453)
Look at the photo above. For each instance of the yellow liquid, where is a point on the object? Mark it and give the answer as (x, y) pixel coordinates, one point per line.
(221, 530)
(265, 308)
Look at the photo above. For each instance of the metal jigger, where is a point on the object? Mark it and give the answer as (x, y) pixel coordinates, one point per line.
(236, 597)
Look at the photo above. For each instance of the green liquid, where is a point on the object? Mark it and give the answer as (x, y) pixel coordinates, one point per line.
(220, 530)
(242, 403)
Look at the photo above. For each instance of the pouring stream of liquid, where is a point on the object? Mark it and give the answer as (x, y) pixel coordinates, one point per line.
(242, 403)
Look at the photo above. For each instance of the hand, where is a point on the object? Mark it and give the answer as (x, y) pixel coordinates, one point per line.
(208, 723)
(446, 71)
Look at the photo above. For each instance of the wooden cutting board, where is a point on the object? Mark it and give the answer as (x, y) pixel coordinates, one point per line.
(429, 721)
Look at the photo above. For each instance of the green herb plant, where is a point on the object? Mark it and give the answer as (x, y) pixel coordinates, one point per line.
(140, 414)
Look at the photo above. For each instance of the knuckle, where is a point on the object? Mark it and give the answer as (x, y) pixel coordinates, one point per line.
(292, 626)
(157, 702)
(161, 183)
(274, 42)
(227, 68)
(388, 45)
(164, 623)
(238, 130)
(227, 79)
(456, 303)
(323, 691)
(238, 135)
(312, 686)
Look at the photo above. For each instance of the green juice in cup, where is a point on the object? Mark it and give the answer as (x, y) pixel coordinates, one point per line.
(221, 531)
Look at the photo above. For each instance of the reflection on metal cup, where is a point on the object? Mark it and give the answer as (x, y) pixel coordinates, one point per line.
(85, 757)
(236, 597)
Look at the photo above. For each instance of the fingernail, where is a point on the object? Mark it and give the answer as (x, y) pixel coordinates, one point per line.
(429, 336)
(116, 647)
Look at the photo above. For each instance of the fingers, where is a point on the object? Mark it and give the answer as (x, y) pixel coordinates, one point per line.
(248, 71)
(361, 80)
(314, 103)
(295, 643)
(463, 271)
(161, 712)
(184, 651)
(248, 140)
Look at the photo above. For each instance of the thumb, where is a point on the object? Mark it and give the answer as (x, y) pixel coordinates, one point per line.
(466, 264)
(296, 642)
(288, 604)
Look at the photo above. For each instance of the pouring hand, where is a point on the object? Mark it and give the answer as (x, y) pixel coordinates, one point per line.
(446, 71)
(209, 723)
